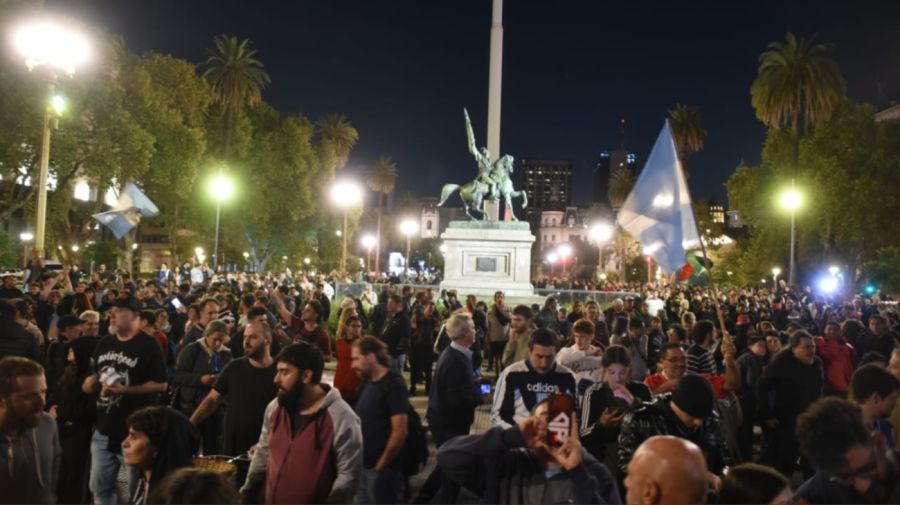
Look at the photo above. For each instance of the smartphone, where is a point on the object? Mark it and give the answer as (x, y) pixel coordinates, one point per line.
(486, 388)
(177, 303)
(561, 413)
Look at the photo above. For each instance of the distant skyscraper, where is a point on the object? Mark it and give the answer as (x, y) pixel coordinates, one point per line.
(547, 183)
(610, 160)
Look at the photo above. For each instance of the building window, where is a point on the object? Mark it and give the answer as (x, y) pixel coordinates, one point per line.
(428, 225)
(553, 238)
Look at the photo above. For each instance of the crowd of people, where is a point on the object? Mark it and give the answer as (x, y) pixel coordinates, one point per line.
(270, 389)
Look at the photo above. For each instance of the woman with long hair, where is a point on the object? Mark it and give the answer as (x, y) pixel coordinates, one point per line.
(346, 380)
(160, 440)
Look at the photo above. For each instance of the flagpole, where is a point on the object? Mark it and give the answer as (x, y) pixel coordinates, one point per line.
(712, 283)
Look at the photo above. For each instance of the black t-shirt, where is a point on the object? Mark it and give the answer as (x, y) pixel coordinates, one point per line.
(377, 402)
(129, 363)
(247, 391)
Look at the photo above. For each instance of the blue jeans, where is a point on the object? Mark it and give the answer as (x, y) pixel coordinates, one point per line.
(105, 470)
(384, 487)
(397, 363)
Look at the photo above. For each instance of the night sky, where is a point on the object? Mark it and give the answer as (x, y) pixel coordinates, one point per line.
(403, 70)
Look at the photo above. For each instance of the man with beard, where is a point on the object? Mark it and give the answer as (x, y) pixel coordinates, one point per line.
(129, 373)
(382, 407)
(852, 463)
(310, 445)
(29, 448)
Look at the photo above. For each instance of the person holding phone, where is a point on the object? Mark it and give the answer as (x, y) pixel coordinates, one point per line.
(495, 467)
(606, 403)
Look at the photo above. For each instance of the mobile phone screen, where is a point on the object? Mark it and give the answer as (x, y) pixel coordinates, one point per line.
(561, 409)
(177, 303)
(486, 388)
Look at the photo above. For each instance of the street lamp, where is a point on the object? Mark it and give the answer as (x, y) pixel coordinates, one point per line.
(345, 194)
(648, 252)
(775, 273)
(833, 270)
(221, 188)
(369, 241)
(791, 201)
(564, 251)
(601, 233)
(56, 48)
(75, 248)
(552, 259)
(26, 237)
(201, 255)
(408, 227)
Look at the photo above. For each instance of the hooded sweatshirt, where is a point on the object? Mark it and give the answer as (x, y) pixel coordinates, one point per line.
(29, 464)
(317, 461)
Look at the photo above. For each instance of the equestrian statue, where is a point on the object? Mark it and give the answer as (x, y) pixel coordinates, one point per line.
(492, 183)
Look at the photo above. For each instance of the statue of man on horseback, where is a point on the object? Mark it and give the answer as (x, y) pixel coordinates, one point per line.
(492, 183)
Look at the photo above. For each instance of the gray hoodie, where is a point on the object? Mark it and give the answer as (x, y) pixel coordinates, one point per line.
(29, 464)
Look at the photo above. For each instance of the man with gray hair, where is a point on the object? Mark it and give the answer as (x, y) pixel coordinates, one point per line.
(452, 400)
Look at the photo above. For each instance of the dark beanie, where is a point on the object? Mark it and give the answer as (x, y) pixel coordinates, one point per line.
(694, 395)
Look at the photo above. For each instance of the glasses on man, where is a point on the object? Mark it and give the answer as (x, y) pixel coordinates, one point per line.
(866, 472)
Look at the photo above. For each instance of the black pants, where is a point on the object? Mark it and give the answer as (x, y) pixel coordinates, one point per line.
(75, 464)
(438, 489)
(421, 361)
(211, 432)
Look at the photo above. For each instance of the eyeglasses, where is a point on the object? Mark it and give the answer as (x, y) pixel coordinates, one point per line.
(865, 472)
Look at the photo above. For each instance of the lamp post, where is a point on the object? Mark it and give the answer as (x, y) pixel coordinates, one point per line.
(345, 194)
(601, 233)
(26, 237)
(408, 227)
(791, 201)
(564, 251)
(775, 273)
(369, 241)
(221, 188)
(552, 258)
(56, 48)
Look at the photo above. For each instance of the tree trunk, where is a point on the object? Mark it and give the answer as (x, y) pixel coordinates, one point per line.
(378, 234)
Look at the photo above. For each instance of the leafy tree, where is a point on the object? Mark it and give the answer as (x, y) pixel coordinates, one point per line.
(797, 84)
(621, 180)
(236, 79)
(337, 133)
(882, 269)
(381, 179)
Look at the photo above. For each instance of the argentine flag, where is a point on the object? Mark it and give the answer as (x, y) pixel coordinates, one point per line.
(658, 211)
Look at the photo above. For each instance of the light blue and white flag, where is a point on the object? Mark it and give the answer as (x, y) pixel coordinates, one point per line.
(658, 211)
(131, 206)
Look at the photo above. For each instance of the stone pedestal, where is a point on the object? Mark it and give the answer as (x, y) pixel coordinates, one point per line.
(485, 257)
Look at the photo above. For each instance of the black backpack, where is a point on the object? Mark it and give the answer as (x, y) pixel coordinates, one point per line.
(416, 448)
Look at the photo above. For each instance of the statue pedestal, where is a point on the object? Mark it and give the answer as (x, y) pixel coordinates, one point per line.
(483, 257)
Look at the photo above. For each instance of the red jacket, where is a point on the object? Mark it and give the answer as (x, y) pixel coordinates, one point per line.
(839, 360)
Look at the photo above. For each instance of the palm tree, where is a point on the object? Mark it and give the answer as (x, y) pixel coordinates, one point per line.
(337, 131)
(796, 82)
(381, 179)
(687, 128)
(235, 77)
(621, 180)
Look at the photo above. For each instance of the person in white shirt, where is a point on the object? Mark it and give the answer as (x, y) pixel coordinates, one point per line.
(582, 358)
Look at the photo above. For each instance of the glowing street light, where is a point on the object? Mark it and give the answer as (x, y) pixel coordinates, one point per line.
(345, 194)
(57, 48)
(791, 200)
(834, 270)
(26, 237)
(221, 188)
(564, 251)
(775, 273)
(306, 261)
(75, 248)
(369, 241)
(408, 227)
(601, 233)
(552, 258)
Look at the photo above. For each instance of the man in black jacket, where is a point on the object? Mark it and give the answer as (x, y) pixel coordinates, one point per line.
(14, 339)
(397, 332)
(791, 383)
(452, 400)
(687, 413)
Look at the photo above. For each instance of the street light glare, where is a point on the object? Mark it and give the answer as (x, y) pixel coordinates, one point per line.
(51, 44)
(409, 227)
(221, 187)
(776, 271)
(791, 199)
(58, 103)
(552, 257)
(564, 250)
(26, 236)
(369, 241)
(346, 193)
(601, 232)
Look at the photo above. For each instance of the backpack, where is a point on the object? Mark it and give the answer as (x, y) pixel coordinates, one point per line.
(415, 448)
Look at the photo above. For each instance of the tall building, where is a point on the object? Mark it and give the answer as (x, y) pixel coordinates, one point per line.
(546, 182)
(607, 162)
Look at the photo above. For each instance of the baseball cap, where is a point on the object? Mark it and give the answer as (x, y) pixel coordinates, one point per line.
(694, 395)
(68, 321)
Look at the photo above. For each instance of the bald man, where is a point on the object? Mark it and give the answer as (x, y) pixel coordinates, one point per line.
(666, 470)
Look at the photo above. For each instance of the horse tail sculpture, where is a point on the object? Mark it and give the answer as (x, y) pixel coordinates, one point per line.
(448, 190)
